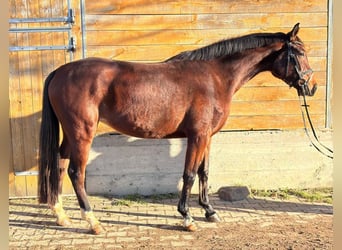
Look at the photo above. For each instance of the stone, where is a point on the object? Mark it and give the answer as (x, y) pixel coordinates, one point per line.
(233, 193)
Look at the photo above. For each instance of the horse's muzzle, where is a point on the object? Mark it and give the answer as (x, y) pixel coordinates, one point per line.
(303, 86)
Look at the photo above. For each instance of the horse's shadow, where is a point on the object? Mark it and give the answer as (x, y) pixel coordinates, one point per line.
(33, 217)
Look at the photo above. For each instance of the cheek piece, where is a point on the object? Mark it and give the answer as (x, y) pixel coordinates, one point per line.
(303, 80)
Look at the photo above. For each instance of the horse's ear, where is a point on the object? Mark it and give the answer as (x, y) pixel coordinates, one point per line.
(293, 33)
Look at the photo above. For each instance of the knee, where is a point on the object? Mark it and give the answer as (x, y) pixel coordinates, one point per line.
(189, 179)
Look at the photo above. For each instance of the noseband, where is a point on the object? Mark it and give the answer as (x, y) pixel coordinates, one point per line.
(301, 74)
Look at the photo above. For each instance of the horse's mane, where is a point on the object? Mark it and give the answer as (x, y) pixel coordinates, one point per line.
(231, 46)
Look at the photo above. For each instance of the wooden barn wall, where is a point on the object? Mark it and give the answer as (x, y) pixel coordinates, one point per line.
(28, 69)
(152, 31)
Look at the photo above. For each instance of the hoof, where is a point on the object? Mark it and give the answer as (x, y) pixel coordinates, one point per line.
(97, 229)
(189, 224)
(213, 218)
(191, 228)
(64, 222)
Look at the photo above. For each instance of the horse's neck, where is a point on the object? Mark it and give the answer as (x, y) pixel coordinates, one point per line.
(242, 68)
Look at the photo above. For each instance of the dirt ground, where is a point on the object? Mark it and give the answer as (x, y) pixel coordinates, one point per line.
(253, 223)
(284, 232)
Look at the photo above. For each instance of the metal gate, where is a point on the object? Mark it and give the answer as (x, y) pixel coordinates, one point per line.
(42, 35)
(68, 22)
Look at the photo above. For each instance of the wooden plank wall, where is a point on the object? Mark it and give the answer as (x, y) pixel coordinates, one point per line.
(151, 31)
(28, 70)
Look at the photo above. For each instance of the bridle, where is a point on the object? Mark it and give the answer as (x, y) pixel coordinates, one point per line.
(302, 81)
(303, 84)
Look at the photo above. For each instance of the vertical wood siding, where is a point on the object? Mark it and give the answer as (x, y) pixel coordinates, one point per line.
(151, 31)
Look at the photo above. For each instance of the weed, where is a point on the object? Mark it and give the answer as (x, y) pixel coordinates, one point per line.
(323, 195)
(129, 200)
(161, 197)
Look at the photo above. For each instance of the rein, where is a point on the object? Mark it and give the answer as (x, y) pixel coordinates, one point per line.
(303, 83)
(313, 130)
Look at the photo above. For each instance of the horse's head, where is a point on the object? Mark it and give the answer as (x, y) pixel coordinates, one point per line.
(292, 65)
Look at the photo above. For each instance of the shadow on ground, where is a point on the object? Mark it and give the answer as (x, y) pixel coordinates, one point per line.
(26, 213)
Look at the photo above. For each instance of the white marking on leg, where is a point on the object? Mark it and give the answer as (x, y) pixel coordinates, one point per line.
(62, 217)
(90, 218)
(188, 221)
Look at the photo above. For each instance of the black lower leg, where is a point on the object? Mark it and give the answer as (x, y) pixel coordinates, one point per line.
(77, 180)
(183, 205)
(203, 190)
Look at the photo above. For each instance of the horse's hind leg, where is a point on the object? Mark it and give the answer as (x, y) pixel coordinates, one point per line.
(76, 171)
(57, 208)
(203, 172)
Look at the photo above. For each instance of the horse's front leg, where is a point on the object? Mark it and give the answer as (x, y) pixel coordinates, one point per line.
(194, 156)
(203, 172)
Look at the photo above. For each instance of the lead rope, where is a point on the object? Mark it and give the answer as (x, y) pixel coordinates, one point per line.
(312, 128)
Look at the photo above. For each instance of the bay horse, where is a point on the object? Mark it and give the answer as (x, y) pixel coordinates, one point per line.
(188, 95)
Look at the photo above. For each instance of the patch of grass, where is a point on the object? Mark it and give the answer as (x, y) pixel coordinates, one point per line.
(160, 197)
(323, 195)
(129, 200)
(132, 199)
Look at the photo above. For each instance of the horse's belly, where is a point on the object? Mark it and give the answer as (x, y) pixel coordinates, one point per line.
(145, 124)
(146, 110)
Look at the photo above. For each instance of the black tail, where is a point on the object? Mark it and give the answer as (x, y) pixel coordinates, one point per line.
(48, 150)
